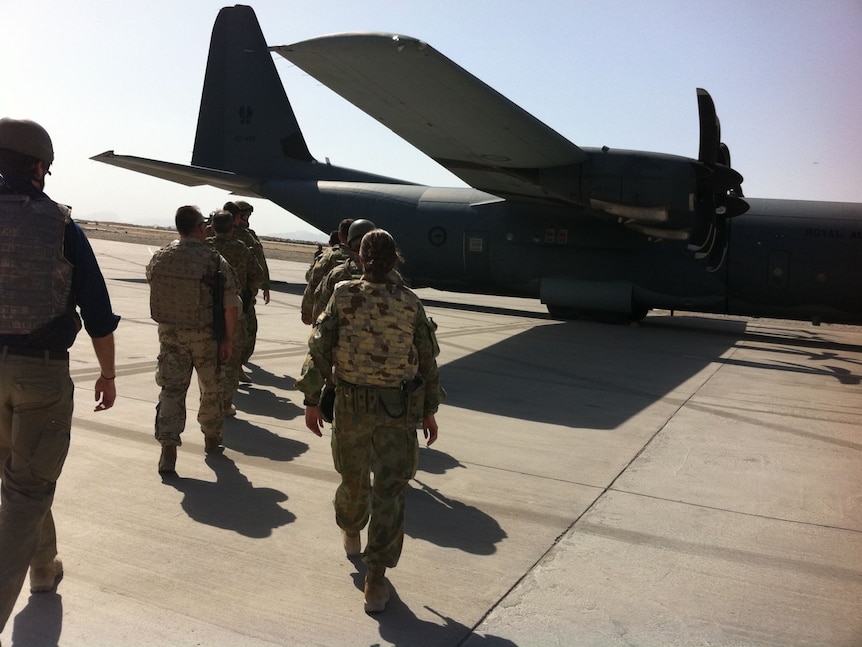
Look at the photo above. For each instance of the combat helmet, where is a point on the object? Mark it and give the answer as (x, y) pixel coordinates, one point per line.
(358, 228)
(26, 137)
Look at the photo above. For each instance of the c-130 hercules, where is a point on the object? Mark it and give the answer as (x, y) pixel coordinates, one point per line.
(588, 231)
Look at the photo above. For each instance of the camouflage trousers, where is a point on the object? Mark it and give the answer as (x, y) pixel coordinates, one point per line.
(250, 317)
(233, 367)
(180, 351)
(363, 442)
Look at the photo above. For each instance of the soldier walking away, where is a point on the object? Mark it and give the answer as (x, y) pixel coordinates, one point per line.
(194, 297)
(349, 268)
(242, 212)
(377, 345)
(320, 267)
(48, 274)
(250, 276)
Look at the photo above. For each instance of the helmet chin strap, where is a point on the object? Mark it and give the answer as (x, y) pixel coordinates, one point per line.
(38, 179)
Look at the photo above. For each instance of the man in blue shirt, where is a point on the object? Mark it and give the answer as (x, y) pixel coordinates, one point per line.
(49, 281)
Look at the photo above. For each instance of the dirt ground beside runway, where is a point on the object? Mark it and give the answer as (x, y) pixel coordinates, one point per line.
(274, 248)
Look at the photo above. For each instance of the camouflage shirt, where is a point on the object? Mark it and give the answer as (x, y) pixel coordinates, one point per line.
(249, 273)
(373, 334)
(330, 258)
(250, 238)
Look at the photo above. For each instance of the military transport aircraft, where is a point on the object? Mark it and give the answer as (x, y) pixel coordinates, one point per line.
(586, 230)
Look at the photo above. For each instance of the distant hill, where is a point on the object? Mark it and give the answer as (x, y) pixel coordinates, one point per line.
(301, 235)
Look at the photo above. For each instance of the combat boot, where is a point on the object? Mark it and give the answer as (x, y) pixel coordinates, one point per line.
(168, 459)
(376, 589)
(352, 543)
(212, 445)
(46, 578)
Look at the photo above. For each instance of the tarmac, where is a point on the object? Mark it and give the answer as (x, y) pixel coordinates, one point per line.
(692, 480)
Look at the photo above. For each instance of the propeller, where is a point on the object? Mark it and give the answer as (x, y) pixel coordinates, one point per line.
(719, 188)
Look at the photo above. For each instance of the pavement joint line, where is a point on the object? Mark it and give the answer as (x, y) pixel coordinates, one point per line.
(737, 512)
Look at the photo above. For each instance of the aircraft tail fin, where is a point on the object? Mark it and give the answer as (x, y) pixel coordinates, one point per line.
(246, 124)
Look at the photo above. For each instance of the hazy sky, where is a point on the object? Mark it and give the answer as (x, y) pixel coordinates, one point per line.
(785, 75)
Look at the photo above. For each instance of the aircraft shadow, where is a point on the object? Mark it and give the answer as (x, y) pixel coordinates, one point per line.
(494, 310)
(587, 374)
(811, 338)
(810, 345)
(232, 502)
(40, 623)
(598, 376)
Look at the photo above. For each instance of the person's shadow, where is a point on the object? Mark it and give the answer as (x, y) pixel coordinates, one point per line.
(232, 502)
(40, 622)
(251, 440)
(449, 523)
(401, 627)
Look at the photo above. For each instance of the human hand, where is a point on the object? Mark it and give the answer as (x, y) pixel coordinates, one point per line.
(314, 420)
(105, 392)
(429, 428)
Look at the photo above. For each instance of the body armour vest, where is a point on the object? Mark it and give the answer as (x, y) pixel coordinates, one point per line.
(181, 280)
(35, 277)
(375, 333)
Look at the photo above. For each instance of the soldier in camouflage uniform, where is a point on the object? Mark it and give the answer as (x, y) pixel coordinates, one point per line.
(250, 275)
(181, 277)
(242, 212)
(376, 343)
(348, 268)
(331, 256)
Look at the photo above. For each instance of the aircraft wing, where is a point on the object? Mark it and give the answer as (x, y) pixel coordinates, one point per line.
(443, 110)
(187, 175)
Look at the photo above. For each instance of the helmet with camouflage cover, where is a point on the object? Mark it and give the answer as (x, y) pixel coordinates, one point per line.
(358, 228)
(244, 207)
(26, 137)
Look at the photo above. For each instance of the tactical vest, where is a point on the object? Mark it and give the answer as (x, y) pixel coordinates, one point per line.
(375, 334)
(181, 280)
(35, 277)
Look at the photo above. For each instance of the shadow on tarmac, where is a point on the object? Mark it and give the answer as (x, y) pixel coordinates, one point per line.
(40, 623)
(265, 403)
(249, 439)
(232, 502)
(449, 523)
(598, 376)
(399, 626)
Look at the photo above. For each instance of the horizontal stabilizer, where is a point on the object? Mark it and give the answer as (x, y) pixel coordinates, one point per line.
(182, 174)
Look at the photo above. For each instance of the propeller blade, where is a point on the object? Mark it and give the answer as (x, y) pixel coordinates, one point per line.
(723, 154)
(710, 128)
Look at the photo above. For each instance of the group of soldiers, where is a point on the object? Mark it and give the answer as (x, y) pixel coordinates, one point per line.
(338, 262)
(372, 347)
(203, 288)
(372, 343)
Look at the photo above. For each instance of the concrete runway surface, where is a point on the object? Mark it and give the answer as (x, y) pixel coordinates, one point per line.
(689, 481)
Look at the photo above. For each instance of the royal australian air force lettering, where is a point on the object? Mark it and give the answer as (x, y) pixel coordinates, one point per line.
(834, 233)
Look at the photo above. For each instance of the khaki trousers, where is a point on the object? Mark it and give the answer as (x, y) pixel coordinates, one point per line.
(36, 403)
